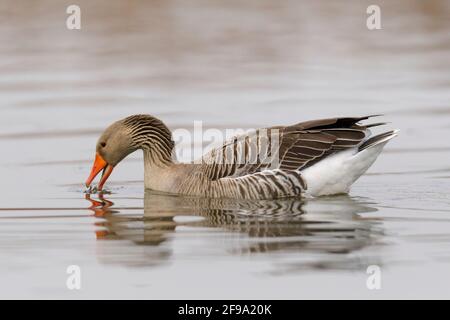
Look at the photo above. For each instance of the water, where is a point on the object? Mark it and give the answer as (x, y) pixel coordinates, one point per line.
(231, 65)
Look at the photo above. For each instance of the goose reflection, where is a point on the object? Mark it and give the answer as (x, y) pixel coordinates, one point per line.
(326, 226)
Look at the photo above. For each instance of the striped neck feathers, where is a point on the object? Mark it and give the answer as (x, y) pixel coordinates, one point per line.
(153, 137)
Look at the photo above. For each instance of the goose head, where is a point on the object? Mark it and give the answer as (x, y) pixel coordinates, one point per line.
(126, 136)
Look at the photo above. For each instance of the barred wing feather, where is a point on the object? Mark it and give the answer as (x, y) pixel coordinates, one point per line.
(290, 148)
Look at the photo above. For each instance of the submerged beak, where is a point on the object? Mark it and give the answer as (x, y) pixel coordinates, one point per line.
(99, 165)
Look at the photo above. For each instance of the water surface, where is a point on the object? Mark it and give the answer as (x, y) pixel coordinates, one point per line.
(231, 65)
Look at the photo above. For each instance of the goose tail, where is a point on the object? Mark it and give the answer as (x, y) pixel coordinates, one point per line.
(378, 139)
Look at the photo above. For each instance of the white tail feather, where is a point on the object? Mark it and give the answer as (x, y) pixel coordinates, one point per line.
(336, 173)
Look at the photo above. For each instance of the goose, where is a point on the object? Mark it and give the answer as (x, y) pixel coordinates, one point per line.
(307, 159)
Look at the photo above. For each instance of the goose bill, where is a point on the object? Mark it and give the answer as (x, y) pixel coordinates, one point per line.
(99, 165)
(105, 175)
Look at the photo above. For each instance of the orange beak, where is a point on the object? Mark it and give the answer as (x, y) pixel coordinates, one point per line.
(99, 165)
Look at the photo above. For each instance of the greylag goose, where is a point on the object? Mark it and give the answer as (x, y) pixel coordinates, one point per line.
(313, 158)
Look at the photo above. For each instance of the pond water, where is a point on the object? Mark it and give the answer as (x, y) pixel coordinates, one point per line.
(228, 64)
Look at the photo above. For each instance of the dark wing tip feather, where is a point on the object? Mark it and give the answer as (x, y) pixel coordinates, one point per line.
(371, 125)
(329, 123)
(369, 116)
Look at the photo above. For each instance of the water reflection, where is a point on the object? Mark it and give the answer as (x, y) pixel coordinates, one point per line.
(329, 228)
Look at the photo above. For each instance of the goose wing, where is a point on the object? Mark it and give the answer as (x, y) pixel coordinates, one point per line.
(289, 148)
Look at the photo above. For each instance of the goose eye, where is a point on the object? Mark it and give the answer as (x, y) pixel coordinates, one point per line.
(103, 144)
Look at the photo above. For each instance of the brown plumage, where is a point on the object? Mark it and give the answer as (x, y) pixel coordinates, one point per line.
(268, 163)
